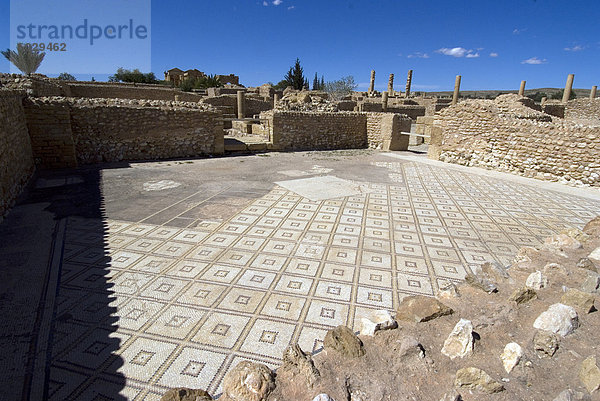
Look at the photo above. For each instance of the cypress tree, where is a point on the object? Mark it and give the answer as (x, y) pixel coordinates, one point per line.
(316, 83)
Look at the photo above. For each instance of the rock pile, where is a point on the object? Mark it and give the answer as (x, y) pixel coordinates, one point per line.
(305, 101)
(533, 338)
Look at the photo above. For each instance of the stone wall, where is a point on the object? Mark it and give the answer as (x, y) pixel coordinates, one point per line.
(384, 131)
(16, 159)
(413, 111)
(505, 135)
(128, 91)
(68, 131)
(228, 103)
(583, 109)
(296, 130)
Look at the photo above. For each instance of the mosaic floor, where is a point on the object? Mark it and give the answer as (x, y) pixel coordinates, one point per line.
(188, 304)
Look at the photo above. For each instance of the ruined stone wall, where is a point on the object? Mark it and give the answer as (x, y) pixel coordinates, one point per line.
(384, 131)
(413, 111)
(68, 131)
(228, 103)
(507, 136)
(49, 124)
(583, 109)
(295, 130)
(128, 91)
(16, 159)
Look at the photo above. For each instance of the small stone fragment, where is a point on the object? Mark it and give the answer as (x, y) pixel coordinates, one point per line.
(377, 320)
(536, 281)
(589, 374)
(571, 395)
(562, 242)
(511, 356)
(526, 254)
(460, 341)
(591, 283)
(555, 268)
(522, 295)
(495, 270)
(452, 395)
(186, 394)
(419, 308)
(297, 363)
(344, 341)
(586, 263)
(410, 347)
(448, 290)
(545, 344)
(482, 283)
(248, 381)
(578, 299)
(478, 380)
(559, 318)
(323, 397)
(595, 255)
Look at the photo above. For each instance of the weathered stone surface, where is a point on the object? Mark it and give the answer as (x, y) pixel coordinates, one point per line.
(578, 299)
(526, 254)
(323, 397)
(591, 283)
(452, 395)
(511, 356)
(481, 282)
(419, 308)
(545, 344)
(592, 228)
(562, 242)
(559, 318)
(522, 295)
(586, 263)
(248, 381)
(410, 347)
(495, 270)
(376, 321)
(186, 394)
(344, 341)
(297, 363)
(555, 268)
(536, 280)
(478, 380)
(571, 395)
(577, 234)
(595, 255)
(448, 290)
(589, 374)
(460, 341)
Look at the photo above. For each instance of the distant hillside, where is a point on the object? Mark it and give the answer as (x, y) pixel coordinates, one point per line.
(491, 94)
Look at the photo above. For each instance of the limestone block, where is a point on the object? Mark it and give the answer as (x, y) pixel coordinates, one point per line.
(559, 318)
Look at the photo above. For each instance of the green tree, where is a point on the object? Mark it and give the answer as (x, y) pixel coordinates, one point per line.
(322, 83)
(281, 85)
(208, 81)
(340, 88)
(315, 86)
(559, 95)
(25, 58)
(295, 76)
(65, 76)
(123, 75)
(537, 96)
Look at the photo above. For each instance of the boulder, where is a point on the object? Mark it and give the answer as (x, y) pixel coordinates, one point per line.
(419, 308)
(586, 263)
(536, 281)
(322, 397)
(377, 320)
(343, 340)
(481, 282)
(595, 255)
(511, 356)
(545, 344)
(460, 341)
(559, 318)
(571, 395)
(589, 374)
(522, 295)
(186, 394)
(592, 228)
(576, 234)
(296, 363)
(478, 380)
(248, 381)
(562, 242)
(578, 299)
(591, 283)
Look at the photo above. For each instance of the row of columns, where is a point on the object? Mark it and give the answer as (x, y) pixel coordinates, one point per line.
(390, 90)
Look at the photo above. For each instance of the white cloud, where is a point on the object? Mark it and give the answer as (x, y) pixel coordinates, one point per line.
(458, 52)
(534, 61)
(418, 55)
(575, 48)
(493, 54)
(291, 7)
(518, 31)
(277, 2)
(265, 3)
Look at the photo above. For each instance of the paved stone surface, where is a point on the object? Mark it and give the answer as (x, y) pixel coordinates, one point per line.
(174, 286)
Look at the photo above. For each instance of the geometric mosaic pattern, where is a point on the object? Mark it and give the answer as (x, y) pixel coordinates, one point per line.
(188, 304)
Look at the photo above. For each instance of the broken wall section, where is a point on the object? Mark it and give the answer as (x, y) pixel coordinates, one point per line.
(16, 158)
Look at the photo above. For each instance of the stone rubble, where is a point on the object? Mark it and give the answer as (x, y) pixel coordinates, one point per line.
(459, 343)
(559, 319)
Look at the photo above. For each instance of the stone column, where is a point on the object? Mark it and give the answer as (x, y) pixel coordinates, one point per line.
(456, 90)
(522, 89)
(391, 85)
(372, 84)
(568, 87)
(275, 99)
(176, 98)
(543, 100)
(241, 104)
(593, 92)
(384, 101)
(408, 83)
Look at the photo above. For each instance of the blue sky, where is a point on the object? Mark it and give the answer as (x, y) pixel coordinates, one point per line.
(492, 44)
